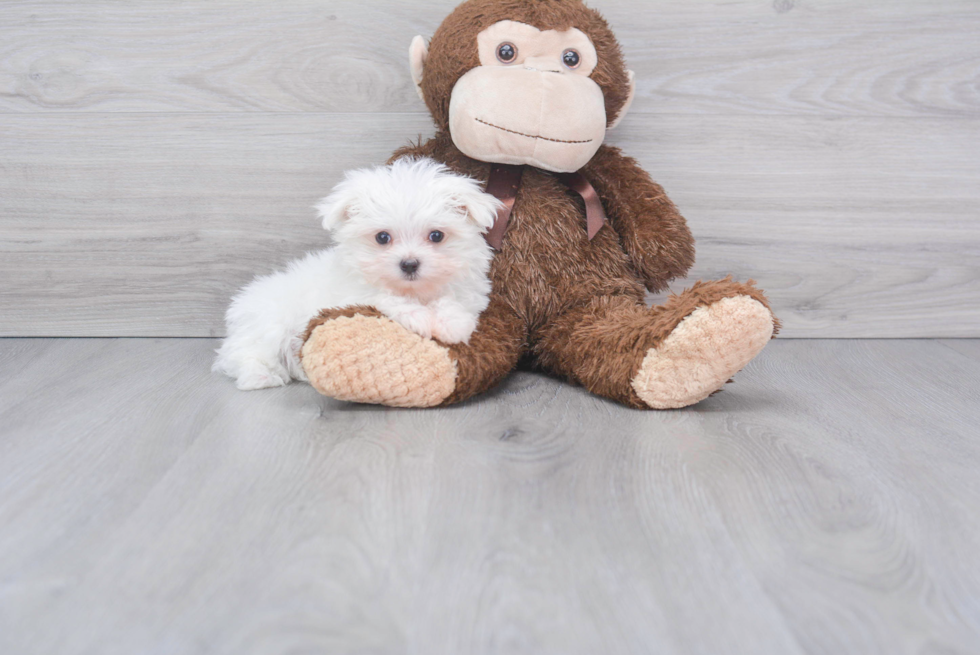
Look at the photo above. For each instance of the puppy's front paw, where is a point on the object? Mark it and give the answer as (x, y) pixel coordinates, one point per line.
(453, 326)
(418, 319)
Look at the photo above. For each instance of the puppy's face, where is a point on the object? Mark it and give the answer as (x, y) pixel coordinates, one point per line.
(409, 250)
(410, 227)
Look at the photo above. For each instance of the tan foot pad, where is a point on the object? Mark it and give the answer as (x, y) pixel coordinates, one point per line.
(375, 360)
(703, 352)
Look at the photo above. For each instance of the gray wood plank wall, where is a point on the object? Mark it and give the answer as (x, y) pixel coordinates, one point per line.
(154, 156)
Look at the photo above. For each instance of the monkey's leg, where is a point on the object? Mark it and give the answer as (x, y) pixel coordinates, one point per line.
(663, 357)
(357, 354)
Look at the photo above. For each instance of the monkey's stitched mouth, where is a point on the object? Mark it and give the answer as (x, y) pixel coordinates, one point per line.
(530, 136)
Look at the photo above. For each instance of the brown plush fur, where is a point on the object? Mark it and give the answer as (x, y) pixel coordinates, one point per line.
(563, 299)
(575, 306)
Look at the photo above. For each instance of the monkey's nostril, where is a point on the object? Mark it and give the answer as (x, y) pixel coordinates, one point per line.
(409, 266)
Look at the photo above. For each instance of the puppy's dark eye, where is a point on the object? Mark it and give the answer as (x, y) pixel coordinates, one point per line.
(435, 236)
(383, 238)
(571, 58)
(506, 52)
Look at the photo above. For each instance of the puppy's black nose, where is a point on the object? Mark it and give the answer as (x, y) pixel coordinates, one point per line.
(409, 266)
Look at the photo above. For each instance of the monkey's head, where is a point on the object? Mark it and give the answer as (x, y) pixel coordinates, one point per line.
(533, 82)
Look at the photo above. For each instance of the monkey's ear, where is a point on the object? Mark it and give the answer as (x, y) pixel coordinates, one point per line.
(629, 100)
(417, 54)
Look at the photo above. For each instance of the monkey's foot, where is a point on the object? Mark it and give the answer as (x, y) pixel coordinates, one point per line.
(703, 352)
(372, 359)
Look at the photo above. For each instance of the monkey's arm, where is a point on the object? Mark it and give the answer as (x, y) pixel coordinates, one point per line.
(651, 230)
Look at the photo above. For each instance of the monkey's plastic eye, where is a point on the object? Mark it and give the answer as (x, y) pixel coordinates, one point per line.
(383, 238)
(507, 52)
(571, 58)
(435, 236)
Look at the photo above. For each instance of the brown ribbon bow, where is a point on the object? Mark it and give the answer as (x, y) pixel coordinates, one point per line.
(505, 180)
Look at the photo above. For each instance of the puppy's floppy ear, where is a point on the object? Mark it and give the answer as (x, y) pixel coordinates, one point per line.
(337, 207)
(480, 207)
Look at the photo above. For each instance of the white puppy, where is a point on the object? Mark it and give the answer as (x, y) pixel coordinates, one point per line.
(409, 242)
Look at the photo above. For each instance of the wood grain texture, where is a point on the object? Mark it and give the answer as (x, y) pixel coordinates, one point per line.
(157, 155)
(967, 347)
(815, 57)
(825, 502)
(144, 225)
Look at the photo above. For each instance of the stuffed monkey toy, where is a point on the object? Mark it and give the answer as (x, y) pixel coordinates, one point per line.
(522, 93)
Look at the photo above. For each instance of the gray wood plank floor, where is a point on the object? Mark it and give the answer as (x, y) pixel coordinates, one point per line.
(826, 502)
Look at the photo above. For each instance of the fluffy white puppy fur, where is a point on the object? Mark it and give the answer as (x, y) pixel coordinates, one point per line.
(408, 241)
